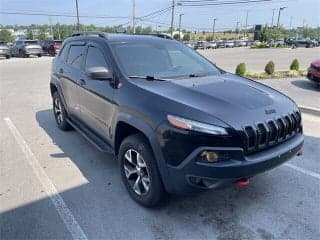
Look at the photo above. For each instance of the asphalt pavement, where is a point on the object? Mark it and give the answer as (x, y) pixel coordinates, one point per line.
(56, 185)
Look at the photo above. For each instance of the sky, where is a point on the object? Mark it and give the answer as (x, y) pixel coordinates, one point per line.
(298, 12)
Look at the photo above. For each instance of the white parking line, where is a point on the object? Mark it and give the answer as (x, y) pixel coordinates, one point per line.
(304, 171)
(61, 207)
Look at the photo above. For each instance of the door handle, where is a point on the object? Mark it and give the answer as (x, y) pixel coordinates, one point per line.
(82, 82)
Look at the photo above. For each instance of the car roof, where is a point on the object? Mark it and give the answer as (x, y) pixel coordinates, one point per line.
(119, 38)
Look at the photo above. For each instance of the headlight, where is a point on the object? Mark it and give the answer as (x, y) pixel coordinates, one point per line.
(196, 126)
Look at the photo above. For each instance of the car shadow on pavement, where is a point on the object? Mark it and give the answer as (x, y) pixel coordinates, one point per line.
(306, 84)
(103, 208)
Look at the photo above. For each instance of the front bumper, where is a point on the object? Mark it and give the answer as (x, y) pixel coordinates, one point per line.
(33, 52)
(313, 75)
(193, 175)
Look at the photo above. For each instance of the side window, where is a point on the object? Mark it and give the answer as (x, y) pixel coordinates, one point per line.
(75, 56)
(64, 51)
(95, 58)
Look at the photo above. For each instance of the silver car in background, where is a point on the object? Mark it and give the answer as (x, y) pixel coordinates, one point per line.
(4, 50)
(26, 48)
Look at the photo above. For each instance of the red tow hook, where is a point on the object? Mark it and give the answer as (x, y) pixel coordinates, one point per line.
(299, 153)
(243, 182)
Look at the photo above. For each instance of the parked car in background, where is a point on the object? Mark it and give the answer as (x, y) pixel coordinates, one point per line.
(202, 45)
(304, 43)
(221, 44)
(249, 42)
(229, 44)
(212, 45)
(51, 47)
(4, 50)
(314, 71)
(279, 42)
(239, 43)
(26, 48)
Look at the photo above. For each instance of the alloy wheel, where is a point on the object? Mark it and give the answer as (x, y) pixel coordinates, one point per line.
(136, 172)
(57, 110)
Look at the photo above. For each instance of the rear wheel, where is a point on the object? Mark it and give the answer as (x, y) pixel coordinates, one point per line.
(8, 56)
(139, 171)
(60, 113)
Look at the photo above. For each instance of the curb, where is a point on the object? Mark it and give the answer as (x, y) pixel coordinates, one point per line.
(309, 110)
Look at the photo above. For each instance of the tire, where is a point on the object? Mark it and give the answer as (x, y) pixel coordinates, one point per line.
(141, 179)
(22, 54)
(39, 55)
(8, 56)
(60, 113)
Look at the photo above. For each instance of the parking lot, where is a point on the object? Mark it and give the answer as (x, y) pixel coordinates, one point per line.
(256, 59)
(46, 173)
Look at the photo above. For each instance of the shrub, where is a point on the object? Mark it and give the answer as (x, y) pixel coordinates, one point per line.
(269, 69)
(295, 65)
(241, 69)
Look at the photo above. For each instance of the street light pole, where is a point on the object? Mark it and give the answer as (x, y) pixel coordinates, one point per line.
(272, 16)
(78, 22)
(213, 28)
(180, 16)
(172, 17)
(237, 29)
(245, 31)
(133, 16)
(280, 9)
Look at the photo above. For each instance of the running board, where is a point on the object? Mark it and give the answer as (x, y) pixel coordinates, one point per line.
(96, 141)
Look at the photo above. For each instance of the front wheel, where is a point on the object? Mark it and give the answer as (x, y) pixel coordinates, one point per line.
(139, 171)
(60, 113)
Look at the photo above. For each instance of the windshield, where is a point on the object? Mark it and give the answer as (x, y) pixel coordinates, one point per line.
(31, 42)
(57, 42)
(161, 59)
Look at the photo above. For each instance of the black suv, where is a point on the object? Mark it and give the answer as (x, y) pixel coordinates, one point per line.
(176, 122)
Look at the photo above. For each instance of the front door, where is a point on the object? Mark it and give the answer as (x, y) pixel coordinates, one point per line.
(96, 96)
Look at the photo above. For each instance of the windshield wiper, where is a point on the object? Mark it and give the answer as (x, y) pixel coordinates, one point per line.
(193, 75)
(149, 78)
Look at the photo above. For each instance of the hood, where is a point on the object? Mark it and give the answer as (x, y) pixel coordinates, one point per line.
(231, 99)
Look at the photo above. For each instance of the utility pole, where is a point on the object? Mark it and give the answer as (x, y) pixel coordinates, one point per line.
(245, 31)
(134, 16)
(78, 22)
(172, 17)
(51, 30)
(213, 28)
(180, 16)
(237, 30)
(272, 16)
(291, 19)
(280, 9)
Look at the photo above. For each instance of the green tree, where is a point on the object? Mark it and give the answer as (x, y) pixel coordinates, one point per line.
(6, 35)
(186, 37)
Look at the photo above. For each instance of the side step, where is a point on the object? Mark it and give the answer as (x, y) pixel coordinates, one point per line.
(96, 141)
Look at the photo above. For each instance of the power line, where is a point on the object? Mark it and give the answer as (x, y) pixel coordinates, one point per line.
(216, 3)
(61, 15)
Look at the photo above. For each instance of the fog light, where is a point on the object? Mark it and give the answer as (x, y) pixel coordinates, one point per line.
(210, 156)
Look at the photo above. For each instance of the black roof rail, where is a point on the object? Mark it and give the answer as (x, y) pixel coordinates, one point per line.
(90, 33)
(160, 35)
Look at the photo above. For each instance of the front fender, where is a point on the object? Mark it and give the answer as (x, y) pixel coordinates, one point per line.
(150, 134)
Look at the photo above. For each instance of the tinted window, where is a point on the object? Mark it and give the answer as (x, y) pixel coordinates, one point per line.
(166, 59)
(95, 58)
(31, 42)
(63, 52)
(75, 56)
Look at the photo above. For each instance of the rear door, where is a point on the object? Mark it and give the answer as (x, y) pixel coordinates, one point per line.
(96, 96)
(70, 72)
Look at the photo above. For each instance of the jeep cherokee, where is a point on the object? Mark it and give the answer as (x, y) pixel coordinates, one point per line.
(176, 122)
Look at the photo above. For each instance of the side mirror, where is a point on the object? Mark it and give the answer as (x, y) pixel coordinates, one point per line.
(99, 73)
